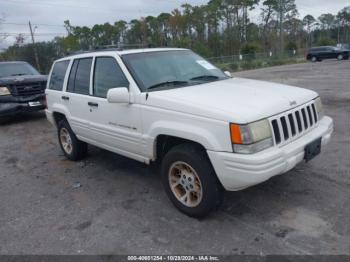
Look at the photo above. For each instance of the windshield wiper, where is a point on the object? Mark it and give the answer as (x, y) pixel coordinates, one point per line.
(205, 78)
(18, 75)
(167, 83)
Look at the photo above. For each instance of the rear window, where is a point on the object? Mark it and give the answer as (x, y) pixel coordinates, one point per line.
(58, 74)
(315, 49)
(319, 49)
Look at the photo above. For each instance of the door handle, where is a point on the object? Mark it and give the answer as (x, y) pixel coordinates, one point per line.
(92, 104)
(65, 98)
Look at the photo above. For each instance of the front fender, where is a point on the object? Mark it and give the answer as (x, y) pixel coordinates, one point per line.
(211, 137)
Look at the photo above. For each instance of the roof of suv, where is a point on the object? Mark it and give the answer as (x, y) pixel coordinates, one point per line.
(120, 52)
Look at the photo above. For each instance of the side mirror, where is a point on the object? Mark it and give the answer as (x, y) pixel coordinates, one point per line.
(119, 95)
(228, 73)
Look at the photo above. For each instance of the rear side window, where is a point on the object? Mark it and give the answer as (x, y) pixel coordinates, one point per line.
(58, 74)
(107, 75)
(71, 79)
(79, 77)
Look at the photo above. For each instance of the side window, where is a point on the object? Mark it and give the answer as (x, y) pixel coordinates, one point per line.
(71, 79)
(107, 75)
(58, 74)
(79, 78)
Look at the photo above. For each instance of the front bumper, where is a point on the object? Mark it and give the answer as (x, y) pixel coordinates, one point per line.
(10, 105)
(236, 171)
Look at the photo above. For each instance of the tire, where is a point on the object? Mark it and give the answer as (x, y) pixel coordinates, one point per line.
(3, 120)
(187, 165)
(340, 57)
(72, 148)
(314, 59)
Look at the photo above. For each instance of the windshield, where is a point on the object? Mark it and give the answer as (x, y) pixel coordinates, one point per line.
(171, 69)
(16, 69)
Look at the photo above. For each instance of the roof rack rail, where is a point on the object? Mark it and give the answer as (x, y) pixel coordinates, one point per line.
(108, 47)
(119, 47)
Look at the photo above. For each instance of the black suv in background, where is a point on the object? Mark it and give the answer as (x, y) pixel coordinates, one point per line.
(22, 88)
(326, 52)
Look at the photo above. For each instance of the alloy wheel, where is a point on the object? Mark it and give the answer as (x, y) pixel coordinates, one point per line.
(185, 184)
(66, 141)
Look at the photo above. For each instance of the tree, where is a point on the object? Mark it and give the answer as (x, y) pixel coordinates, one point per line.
(2, 35)
(327, 23)
(267, 12)
(343, 18)
(247, 5)
(213, 17)
(283, 8)
(309, 21)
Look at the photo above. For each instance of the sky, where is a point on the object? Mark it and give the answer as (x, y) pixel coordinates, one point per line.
(47, 16)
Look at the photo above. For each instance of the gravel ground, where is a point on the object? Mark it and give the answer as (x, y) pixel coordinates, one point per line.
(108, 204)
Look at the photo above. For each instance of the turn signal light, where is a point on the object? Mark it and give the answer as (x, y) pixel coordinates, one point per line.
(236, 137)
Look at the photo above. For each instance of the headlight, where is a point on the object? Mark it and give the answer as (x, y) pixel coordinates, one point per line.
(4, 91)
(319, 107)
(251, 138)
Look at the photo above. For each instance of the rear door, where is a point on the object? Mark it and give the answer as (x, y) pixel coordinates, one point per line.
(323, 52)
(77, 94)
(331, 52)
(55, 86)
(116, 126)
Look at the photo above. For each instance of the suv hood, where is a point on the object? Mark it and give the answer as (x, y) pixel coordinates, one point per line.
(13, 80)
(237, 100)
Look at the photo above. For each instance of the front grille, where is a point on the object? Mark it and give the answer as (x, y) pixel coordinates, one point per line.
(294, 123)
(28, 89)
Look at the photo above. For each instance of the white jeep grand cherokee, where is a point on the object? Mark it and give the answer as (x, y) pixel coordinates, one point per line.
(209, 131)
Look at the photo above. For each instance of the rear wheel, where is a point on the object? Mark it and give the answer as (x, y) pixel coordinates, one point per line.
(72, 148)
(190, 181)
(340, 57)
(3, 120)
(314, 59)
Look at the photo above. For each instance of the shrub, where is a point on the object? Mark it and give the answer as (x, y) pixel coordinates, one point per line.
(234, 66)
(202, 49)
(249, 50)
(326, 41)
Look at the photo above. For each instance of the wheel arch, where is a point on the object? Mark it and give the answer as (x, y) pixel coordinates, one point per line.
(215, 138)
(164, 143)
(58, 116)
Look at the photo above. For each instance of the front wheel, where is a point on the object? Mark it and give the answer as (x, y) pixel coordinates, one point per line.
(190, 181)
(314, 59)
(340, 57)
(72, 148)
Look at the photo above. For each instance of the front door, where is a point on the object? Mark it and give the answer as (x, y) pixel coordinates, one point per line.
(116, 126)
